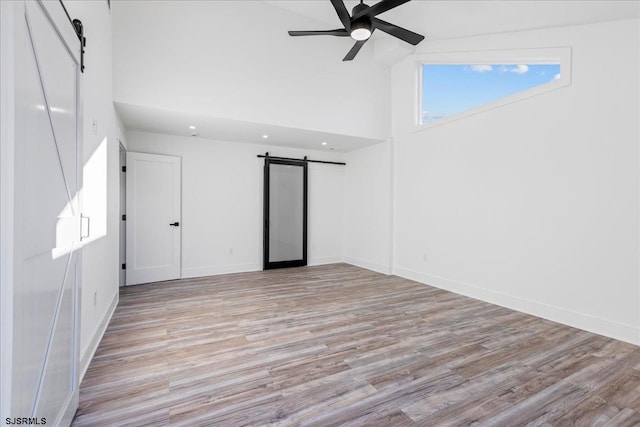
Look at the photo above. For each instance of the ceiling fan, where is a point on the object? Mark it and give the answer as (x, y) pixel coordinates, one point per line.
(362, 23)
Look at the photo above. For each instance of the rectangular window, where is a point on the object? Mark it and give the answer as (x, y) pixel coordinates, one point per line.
(451, 89)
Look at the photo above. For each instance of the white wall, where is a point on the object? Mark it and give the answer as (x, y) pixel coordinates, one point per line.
(368, 207)
(235, 60)
(222, 195)
(533, 205)
(99, 293)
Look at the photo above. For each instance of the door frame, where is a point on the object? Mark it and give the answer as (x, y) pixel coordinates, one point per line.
(122, 214)
(7, 185)
(267, 265)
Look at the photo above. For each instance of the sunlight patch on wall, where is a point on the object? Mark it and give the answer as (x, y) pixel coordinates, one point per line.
(94, 193)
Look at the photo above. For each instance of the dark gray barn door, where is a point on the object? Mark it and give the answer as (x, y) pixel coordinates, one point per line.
(285, 213)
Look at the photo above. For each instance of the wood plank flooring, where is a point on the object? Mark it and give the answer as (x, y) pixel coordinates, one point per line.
(340, 345)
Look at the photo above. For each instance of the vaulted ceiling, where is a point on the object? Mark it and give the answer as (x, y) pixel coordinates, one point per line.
(230, 68)
(443, 19)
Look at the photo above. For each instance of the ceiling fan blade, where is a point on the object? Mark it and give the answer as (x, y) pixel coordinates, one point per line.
(339, 32)
(379, 8)
(354, 50)
(399, 32)
(343, 13)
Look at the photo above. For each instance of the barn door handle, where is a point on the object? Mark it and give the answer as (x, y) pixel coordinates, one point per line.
(175, 224)
(85, 220)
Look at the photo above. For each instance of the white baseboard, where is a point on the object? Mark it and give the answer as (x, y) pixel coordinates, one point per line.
(325, 260)
(380, 268)
(608, 328)
(85, 359)
(188, 273)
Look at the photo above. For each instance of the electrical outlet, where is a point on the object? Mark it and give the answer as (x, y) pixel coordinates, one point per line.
(95, 298)
(230, 251)
(425, 258)
(94, 127)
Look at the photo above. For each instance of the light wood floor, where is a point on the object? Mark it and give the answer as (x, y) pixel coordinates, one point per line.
(339, 345)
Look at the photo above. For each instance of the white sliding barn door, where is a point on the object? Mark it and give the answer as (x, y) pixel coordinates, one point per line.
(45, 216)
(153, 218)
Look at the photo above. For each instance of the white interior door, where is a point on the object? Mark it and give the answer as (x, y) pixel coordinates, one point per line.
(46, 214)
(153, 218)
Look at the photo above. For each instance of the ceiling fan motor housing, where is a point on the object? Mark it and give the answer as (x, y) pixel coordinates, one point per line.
(358, 8)
(362, 23)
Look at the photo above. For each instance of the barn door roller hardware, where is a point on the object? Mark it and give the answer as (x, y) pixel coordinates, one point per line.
(77, 25)
(266, 155)
(79, 29)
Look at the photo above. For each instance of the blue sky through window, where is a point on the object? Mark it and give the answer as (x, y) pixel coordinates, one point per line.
(450, 89)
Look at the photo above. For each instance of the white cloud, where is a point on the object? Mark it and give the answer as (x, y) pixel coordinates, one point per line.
(481, 68)
(556, 77)
(520, 69)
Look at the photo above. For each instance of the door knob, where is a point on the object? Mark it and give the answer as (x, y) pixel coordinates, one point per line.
(175, 224)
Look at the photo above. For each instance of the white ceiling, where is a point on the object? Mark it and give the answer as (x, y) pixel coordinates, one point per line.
(147, 119)
(443, 19)
(436, 19)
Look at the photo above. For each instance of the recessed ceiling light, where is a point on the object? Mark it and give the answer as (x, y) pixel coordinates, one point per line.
(265, 136)
(192, 127)
(324, 143)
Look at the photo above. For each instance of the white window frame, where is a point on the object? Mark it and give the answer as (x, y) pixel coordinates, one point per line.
(555, 55)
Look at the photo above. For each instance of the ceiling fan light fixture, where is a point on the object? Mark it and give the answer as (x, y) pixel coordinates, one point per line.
(361, 30)
(362, 22)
